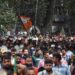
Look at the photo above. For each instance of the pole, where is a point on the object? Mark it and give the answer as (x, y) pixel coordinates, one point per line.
(36, 11)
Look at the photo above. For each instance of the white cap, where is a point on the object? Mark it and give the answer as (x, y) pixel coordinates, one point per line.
(4, 49)
(51, 55)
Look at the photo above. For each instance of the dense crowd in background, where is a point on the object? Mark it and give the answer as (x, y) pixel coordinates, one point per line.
(41, 54)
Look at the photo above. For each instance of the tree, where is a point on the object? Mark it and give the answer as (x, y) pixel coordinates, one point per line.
(9, 9)
(28, 8)
(70, 6)
(7, 16)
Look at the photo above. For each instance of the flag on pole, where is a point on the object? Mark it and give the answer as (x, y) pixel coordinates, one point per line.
(27, 23)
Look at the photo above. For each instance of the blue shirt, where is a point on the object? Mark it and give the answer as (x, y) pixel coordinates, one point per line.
(61, 70)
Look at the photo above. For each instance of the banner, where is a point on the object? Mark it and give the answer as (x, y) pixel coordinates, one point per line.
(27, 23)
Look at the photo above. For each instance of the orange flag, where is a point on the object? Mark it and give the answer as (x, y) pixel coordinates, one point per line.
(27, 23)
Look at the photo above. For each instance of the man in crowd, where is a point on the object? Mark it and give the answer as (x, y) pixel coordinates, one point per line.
(41, 62)
(58, 67)
(31, 71)
(6, 65)
(48, 68)
(29, 64)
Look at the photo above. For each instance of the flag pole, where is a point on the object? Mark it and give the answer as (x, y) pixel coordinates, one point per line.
(36, 11)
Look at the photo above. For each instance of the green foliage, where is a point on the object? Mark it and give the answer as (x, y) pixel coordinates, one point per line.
(28, 8)
(69, 4)
(7, 15)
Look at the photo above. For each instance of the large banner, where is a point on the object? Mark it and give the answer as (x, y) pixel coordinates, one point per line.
(27, 23)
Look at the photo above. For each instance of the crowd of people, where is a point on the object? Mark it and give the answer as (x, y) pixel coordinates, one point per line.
(42, 54)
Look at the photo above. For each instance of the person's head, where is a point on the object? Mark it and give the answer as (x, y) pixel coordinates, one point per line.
(20, 51)
(31, 71)
(38, 52)
(56, 57)
(13, 51)
(25, 52)
(6, 62)
(48, 65)
(6, 54)
(29, 61)
(46, 54)
(18, 58)
(63, 51)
